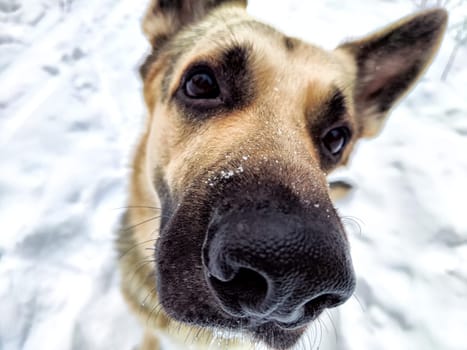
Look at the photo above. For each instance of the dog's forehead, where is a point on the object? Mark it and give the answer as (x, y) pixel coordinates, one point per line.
(293, 80)
(275, 57)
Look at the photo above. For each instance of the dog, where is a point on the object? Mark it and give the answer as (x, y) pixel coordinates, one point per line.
(230, 238)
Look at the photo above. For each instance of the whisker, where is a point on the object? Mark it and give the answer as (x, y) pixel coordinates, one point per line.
(332, 324)
(179, 328)
(325, 327)
(151, 293)
(198, 333)
(359, 302)
(306, 340)
(320, 332)
(161, 308)
(355, 222)
(137, 207)
(315, 329)
(212, 340)
(135, 246)
(129, 228)
(144, 263)
(151, 312)
(273, 338)
(188, 333)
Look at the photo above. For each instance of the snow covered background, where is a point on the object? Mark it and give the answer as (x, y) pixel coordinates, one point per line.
(70, 112)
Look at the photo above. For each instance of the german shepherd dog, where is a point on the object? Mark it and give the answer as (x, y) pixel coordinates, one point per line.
(230, 232)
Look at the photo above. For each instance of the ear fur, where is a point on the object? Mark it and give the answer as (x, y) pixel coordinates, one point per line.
(390, 61)
(166, 17)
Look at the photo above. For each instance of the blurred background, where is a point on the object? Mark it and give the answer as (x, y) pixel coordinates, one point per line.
(70, 114)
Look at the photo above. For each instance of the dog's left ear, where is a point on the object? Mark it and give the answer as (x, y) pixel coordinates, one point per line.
(390, 61)
(164, 18)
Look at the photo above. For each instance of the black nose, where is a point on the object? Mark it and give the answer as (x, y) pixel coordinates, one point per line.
(274, 266)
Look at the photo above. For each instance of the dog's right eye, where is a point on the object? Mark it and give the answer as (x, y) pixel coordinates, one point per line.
(335, 140)
(201, 84)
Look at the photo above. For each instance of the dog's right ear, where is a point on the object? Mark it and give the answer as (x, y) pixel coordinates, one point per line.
(389, 63)
(164, 18)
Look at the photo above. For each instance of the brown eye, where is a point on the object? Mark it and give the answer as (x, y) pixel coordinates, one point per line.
(335, 140)
(202, 85)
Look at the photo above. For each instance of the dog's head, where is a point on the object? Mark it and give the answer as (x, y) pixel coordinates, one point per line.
(244, 125)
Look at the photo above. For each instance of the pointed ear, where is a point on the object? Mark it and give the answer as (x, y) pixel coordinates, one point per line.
(389, 62)
(164, 18)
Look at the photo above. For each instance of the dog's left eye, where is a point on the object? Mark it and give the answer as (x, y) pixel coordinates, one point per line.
(201, 84)
(336, 139)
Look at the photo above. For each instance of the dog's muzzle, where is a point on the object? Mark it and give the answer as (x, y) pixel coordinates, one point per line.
(266, 261)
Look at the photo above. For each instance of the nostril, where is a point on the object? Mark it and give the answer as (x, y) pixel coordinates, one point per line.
(327, 300)
(247, 289)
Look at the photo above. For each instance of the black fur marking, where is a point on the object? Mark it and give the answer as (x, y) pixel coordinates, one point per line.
(289, 43)
(235, 80)
(170, 4)
(332, 114)
(238, 76)
(335, 107)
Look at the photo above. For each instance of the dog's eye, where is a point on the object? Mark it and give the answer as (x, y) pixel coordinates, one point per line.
(201, 84)
(336, 139)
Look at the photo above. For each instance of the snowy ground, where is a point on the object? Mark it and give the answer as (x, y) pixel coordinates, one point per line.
(70, 111)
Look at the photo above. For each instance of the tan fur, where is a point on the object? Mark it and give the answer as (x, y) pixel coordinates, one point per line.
(271, 129)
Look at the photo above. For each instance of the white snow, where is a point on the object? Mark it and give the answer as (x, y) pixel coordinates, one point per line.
(70, 112)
